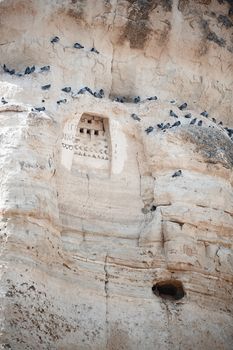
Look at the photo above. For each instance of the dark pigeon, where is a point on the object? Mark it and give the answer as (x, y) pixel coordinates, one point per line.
(136, 99)
(135, 117)
(214, 120)
(39, 109)
(172, 114)
(46, 87)
(62, 101)
(178, 123)
(45, 68)
(199, 123)
(193, 121)
(160, 126)
(27, 70)
(177, 173)
(33, 68)
(183, 106)
(3, 101)
(149, 129)
(153, 208)
(120, 99)
(101, 92)
(78, 46)
(89, 90)
(66, 89)
(94, 50)
(204, 114)
(189, 115)
(82, 91)
(166, 126)
(55, 39)
(220, 123)
(152, 98)
(229, 131)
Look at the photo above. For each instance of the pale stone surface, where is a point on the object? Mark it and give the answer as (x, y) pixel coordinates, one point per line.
(91, 217)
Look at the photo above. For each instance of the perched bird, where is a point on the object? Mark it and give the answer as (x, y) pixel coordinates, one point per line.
(78, 46)
(7, 70)
(89, 90)
(214, 120)
(229, 131)
(152, 98)
(101, 92)
(177, 173)
(189, 115)
(160, 126)
(199, 123)
(153, 208)
(149, 129)
(204, 114)
(46, 87)
(62, 101)
(136, 99)
(166, 126)
(66, 89)
(176, 124)
(193, 121)
(220, 123)
(120, 99)
(135, 117)
(183, 106)
(172, 101)
(40, 109)
(3, 101)
(172, 114)
(27, 70)
(82, 91)
(94, 50)
(45, 68)
(55, 39)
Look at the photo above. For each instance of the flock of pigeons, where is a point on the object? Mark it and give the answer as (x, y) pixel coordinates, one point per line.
(194, 121)
(100, 94)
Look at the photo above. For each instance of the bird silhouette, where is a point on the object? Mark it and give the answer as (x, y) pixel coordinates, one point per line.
(183, 106)
(78, 46)
(177, 173)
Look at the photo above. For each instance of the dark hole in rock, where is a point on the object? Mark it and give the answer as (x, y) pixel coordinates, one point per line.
(171, 289)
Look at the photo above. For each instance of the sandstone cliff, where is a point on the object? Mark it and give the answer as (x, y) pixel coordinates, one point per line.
(102, 245)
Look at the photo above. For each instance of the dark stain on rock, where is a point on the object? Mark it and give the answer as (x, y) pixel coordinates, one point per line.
(214, 145)
(137, 28)
(211, 36)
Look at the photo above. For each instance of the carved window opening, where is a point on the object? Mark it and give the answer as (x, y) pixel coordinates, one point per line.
(92, 142)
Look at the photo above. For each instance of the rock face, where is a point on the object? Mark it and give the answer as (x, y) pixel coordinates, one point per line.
(116, 226)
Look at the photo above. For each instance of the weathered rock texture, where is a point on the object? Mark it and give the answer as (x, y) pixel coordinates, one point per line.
(92, 220)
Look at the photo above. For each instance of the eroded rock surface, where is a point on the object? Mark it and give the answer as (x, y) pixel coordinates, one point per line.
(114, 237)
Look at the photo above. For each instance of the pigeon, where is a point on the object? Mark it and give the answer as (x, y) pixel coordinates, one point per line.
(149, 129)
(6, 70)
(3, 100)
(27, 70)
(89, 90)
(204, 114)
(45, 68)
(40, 109)
(152, 98)
(101, 92)
(160, 126)
(46, 87)
(183, 106)
(62, 101)
(229, 131)
(153, 208)
(135, 117)
(177, 173)
(172, 114)
(193, 121)
(66, 89)
(78, 46)
(176, 124)
(94, 50)
(214, 120)
(120, 99)
(220, 123)
(82, 91)
(43, 101)
(166, 126)
(55, 40)
(189, 115)
(199, 123)
(172, 101)
(136, 99)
